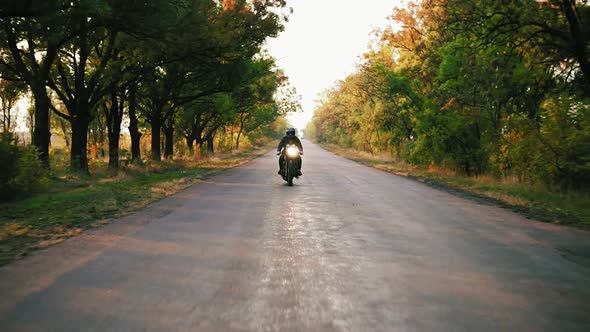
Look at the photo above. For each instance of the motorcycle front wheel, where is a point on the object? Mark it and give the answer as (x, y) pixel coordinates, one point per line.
(290, 173)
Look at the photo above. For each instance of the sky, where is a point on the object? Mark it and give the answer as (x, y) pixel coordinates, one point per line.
(322, 43)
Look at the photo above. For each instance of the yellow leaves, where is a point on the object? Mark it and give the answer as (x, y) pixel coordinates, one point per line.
(235, 5)
(13, 230)
(449, 104)
(514, 136)
(48, 243)
(228, 4)
(58, 235)
(170, 187)
(55, 235)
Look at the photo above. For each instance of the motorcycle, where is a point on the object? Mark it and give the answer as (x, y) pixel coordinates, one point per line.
(290, 154)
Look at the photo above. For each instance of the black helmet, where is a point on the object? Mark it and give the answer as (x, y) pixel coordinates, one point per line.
(291, 131)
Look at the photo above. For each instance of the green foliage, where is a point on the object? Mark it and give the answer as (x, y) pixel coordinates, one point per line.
(471, 86)
(90, 55)
(21, 171)
(8, 169)
(559, 151)
(274, 131)
(31, 177)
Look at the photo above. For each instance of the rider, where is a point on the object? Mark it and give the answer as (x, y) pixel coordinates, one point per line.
(290, 138)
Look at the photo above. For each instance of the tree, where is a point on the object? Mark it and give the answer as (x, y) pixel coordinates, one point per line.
(152, 58)
(10, 93)
(29, 48)
(256, 98)
(134, 127)
(113, 109)
(476, 86)
(80, 76)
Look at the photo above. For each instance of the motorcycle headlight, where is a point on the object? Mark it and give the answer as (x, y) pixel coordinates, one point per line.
(292, 151)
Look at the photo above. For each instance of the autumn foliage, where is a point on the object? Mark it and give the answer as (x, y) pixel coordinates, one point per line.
(489, 87)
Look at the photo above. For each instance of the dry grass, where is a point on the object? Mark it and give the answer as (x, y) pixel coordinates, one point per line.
(535, 201)
(76, 202)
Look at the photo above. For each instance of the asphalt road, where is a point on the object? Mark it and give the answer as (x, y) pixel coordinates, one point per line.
(348, 248)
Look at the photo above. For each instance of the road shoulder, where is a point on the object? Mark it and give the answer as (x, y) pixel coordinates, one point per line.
(50, 218)
(542, 206)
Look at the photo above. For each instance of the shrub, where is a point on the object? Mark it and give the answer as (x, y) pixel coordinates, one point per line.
(8, 169)
(21, 171)
(31, 177)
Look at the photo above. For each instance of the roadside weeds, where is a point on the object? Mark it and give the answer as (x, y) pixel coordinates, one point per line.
(77, 203)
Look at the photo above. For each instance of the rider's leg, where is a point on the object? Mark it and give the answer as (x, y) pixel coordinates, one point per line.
(281, 161)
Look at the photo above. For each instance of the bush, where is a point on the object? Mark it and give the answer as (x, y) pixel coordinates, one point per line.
(8, 169)
(21, 171)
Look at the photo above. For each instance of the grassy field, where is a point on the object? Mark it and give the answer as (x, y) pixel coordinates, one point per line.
(76, 203)
(535, 202)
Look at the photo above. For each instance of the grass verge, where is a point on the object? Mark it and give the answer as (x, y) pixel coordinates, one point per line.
(76, 203)
(535, 202)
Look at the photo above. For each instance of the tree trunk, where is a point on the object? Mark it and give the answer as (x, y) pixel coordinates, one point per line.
(156, 122)
(190, 143)
(114, 118)
(41, 133)
(101, 135)
(238, 139)
(7, 121)
(162, 141)
(114, 149)
(134, 128)
(78, 152)
(210, 147)
(231, 139)
(240, 131)
(169, 142)
(62, 125)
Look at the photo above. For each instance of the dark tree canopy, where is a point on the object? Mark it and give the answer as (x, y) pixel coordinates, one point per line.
(99, 62)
